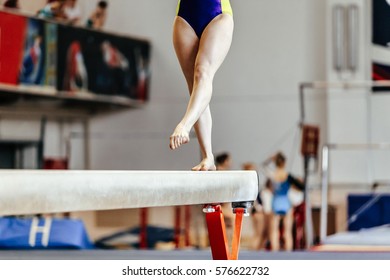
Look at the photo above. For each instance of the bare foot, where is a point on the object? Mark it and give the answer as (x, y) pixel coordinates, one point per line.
(179, 137)
(206, 164)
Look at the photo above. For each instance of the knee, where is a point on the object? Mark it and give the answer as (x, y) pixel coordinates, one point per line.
(202, 73)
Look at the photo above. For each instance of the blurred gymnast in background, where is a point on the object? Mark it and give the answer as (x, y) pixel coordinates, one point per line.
(282, 209)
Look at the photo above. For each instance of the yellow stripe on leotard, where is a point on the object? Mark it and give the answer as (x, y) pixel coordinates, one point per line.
(226, 7)
(177, 7)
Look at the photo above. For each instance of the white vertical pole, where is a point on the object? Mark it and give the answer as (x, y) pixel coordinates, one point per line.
(324, 193)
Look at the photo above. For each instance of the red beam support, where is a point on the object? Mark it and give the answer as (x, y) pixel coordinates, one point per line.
(143, 243)
(187, 224)
(217, 232)
(237, 233)
(177, 226)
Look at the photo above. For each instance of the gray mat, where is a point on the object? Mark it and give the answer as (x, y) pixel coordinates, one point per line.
(184, 255)
(376, 236)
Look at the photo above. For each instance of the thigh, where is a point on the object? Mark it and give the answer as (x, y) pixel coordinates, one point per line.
(186, 45)
(288, 221)
(215, 42)
(275, 222)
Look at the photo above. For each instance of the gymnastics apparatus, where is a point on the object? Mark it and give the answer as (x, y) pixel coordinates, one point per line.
(28, 192)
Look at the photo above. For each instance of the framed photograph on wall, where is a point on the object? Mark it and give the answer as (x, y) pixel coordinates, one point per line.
(11, 47)
(381, 42)
(102, 63)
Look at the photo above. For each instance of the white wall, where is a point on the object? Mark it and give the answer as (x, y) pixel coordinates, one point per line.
(29, 6)
(32, 6)
(356, 115)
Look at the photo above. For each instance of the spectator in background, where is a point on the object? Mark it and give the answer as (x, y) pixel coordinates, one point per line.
(98, 17)
(14, 4)
(71, 11)
(52, 10)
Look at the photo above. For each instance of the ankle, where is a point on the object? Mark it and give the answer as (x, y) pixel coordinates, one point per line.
(183, 126)
(209, 157)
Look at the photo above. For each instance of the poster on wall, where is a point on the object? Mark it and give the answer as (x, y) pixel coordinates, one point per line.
(11, 46)
(51, 55)
(27, 52)
(101, 63)
(381, 42)
(39, 56)
(32, 68)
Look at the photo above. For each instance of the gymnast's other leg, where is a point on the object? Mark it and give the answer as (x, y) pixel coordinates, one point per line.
(210, 51)
(288, 228)
(275, 241)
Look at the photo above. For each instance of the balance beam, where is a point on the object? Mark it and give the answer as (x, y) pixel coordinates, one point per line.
(25, 192)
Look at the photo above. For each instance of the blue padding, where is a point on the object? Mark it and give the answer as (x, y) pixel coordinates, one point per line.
(127, 237)
(17, 233)
(386, 210)
(375, 214)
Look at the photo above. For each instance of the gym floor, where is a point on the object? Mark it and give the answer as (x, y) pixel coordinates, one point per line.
(184, 255)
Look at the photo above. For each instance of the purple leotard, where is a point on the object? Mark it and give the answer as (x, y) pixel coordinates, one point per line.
(199, 13)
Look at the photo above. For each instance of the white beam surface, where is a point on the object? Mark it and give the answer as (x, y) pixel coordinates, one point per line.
(53, 191)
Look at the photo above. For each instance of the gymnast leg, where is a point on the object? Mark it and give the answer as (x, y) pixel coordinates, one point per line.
(288, 221)
(275, 242)
(199, 60)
